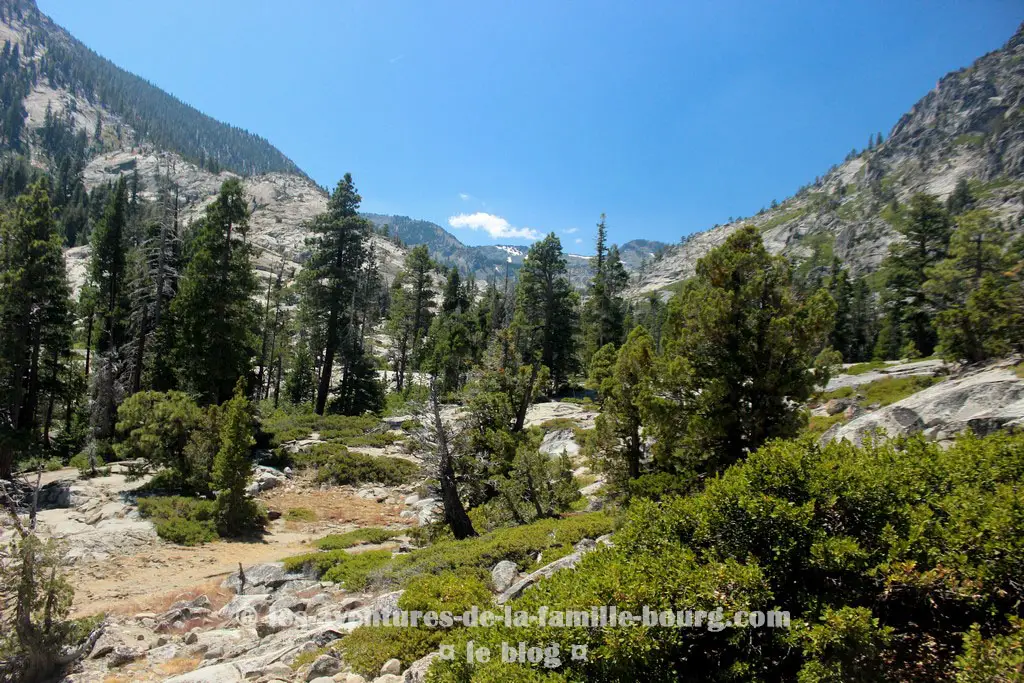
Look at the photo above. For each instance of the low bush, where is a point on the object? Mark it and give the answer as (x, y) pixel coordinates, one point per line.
(336, 464)
(290, 423)
(892, 560)
(455, 592)
(548, 539)
(367, 648)
(51, 464)
(661, 485)
(181, 520)
(357, 537)
(348, 570)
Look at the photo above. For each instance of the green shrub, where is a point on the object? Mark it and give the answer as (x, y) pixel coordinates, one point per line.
(455, 592)
(181, 520)
(359, 536)
(367, 648)
(336, 464)
(350, 571)
(410, 425)
(549, 538)
(557, 424)
(291, 423)
(885, 557)
(999, 659)
(660, 485)
(51, 464)
(299, 515)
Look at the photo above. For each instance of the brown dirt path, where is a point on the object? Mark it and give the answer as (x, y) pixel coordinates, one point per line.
(150, 580)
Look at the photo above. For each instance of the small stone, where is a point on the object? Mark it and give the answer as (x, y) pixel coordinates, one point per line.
(121, 655)
(504, 575)
(324, 665)
(392, 666)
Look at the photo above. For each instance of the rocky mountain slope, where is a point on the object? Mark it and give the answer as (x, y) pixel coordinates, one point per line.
(971, 126)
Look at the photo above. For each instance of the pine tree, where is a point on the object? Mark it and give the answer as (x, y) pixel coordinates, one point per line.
(740, 358)
(330, 280)
(34, 318)
(411, 313)
(549, 306)
(237, 512)
(214, 310)
(605, 310)
(618, 438)
(925, 228)
(975, 293)
(961, 199)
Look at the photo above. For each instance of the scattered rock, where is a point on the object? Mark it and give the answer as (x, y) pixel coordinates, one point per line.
(504, 575)
(122, 654)
(324, 665)
(392, 666)
(417, 671)
(218, 673)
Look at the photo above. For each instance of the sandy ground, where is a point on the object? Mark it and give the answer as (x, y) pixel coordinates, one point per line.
(152, 579)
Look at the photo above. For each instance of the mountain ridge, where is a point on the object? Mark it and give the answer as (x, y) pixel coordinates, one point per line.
(970, 126)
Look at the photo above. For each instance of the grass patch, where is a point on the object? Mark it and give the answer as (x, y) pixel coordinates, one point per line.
(299, 515)
(557, 424)
(181, 520)
(370, 535)
(335, 464)
(861, 368)
(892, 389)
(819, 424)
(1018, 370)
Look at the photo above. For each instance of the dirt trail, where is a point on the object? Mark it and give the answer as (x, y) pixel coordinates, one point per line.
(152, 579)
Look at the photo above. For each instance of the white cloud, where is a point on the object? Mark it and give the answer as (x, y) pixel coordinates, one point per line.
(464, 197)
(495, 226)
(569, 231)
(579, 240)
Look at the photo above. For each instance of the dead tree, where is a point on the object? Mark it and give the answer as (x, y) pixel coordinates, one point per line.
(35, 598)
(454, 512)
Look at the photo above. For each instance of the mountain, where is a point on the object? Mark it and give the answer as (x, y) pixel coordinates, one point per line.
(970, 126)
(56, 62)
(486, 261)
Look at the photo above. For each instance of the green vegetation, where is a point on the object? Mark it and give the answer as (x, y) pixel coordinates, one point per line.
(855, 543)
(969, 139)
(369, 535)
(877, 394)
(366, 649)
(180, 519)
(861, 368)
(548, 538)
(348, 570)
(293, 423)
(336, 464)
(782, 218)
(299, 515)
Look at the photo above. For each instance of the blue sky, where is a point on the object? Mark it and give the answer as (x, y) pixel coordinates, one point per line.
(520, 118)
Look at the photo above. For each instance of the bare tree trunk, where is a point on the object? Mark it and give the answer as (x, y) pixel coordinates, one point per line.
(454, 513)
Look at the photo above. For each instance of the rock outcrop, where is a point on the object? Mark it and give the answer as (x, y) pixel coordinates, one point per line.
(982, 401)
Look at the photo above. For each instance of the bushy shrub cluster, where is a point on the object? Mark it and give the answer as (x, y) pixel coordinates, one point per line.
(886, 556)
(298, 422)
(180, 519)
(357, 537)
(336, 464)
